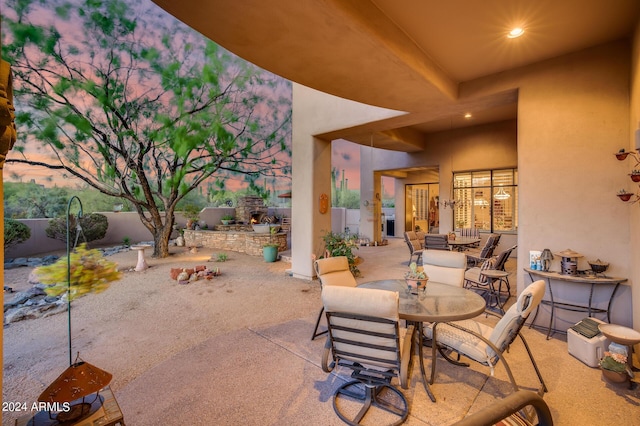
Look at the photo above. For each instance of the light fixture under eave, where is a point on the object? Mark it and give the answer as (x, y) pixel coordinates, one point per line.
(501, 194)
(515, 33)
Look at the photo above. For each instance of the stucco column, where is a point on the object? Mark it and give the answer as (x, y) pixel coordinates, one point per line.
(311, 177)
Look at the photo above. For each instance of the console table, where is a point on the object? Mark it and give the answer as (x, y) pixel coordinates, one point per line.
(592, 281)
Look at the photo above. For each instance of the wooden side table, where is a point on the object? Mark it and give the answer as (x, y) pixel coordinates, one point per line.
(107, 414)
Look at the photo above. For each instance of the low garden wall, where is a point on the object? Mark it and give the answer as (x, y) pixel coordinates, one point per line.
(248, 242)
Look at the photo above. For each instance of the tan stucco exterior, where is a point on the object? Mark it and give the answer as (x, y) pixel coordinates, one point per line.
(573, 114)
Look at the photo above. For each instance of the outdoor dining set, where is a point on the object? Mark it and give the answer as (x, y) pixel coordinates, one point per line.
(379, 329)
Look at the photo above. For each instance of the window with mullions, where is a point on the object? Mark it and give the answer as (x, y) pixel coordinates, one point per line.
(486, 200)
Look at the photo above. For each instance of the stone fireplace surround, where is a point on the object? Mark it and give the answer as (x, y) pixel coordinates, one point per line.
(248, 242)
(240, 236)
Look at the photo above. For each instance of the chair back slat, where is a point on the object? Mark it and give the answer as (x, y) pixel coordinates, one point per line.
(436, 242)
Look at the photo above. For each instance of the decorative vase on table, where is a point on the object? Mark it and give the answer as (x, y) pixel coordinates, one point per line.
(415, 285)
(416, 279)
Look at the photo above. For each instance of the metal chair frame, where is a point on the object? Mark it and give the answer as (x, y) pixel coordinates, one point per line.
(371, 384)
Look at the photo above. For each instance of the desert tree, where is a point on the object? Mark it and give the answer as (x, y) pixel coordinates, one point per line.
(138, 106)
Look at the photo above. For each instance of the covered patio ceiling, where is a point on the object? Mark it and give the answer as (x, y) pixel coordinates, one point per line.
(414, 56)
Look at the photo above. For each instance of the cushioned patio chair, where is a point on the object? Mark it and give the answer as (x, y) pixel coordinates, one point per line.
(484, 344)
(475, 258)
(436, 242)
(332, 271)
(445, 267)
(365, 336)
(414, 244)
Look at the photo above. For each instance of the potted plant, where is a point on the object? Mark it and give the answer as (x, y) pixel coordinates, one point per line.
(192, 213)
(416, 278)
(624, 195)
(226, 219)
(614, 367)
(270, 250)
(337, 244)
(635, 175)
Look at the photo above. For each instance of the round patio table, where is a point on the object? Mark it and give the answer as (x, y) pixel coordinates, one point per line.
(437, 303)
(460, 243)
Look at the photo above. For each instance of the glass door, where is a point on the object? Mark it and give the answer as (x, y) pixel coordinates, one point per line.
(421, 207)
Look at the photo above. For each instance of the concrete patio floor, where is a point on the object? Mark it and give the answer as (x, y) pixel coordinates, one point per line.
(268, 373)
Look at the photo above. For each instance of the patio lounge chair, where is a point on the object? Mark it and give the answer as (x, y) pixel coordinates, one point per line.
(475, 258)
(414, 244)
(473, 277)
(332, 271)
(484, 344)
(365, 337)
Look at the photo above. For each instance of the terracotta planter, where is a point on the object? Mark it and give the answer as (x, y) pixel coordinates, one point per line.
(625, 197)
(635, 178)
(615, 377)
(415, 284)
(622, 155)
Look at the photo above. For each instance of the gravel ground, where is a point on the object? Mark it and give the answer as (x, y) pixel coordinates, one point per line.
(146, 318)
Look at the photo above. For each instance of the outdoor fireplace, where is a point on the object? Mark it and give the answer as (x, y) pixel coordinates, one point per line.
(250, 210)
(256, 217)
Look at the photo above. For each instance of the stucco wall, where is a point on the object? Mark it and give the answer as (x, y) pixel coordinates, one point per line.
(573, 114)
(634, 136)
(121, 225)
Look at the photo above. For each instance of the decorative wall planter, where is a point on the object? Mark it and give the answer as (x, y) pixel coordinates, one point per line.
(625, 197)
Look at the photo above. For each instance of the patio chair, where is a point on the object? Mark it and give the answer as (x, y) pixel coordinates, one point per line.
(332, 271)
(420, 237)
(506, 411)
(436, 242)
(415, 247)
(484, 344)
(475, 258)
(365, 336)
(445, 267)
(470, 233)
(473, 276)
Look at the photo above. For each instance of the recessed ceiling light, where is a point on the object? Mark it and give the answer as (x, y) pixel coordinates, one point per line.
(468, 115)
(516, 32)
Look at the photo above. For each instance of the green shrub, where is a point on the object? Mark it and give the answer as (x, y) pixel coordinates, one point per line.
(94, 227)
(342, 245)
(15, 233)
